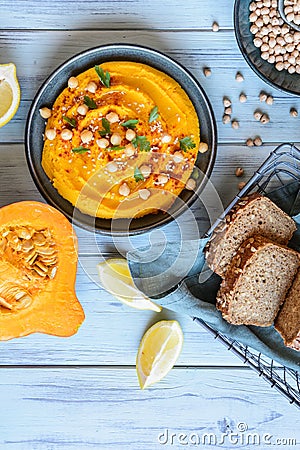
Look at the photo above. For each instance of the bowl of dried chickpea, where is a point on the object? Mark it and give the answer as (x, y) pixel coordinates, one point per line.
(266, 32)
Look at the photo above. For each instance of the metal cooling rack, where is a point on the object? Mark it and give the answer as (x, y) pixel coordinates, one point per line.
(280, 169)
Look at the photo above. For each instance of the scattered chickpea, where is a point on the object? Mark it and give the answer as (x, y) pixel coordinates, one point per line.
(263, 96)
(257, 115)
(241, 185)
(235, 124)
(129, 150)
(203, 147)
(115, 139)
(293, 112)
(239, 172)
(249, 142)
(243, 97)
(264, 119)
(112, 167)
(190, 184)
(66, 135)
(112, 117)
(130, 134)
(72, 83)
(82, 110)
(226, 102)
(215, 26)
(144, 194)
(178, 157)
(45, 112)
(124, 190)
(91, 87)
(166, 138)
(239, 77)
(162, 179)
(145, 170)
(270, 100)
(257, 141)
(86, 136)
(228, 110)
(226, 119)
(206, 72)
(50, 134)
(102, 143)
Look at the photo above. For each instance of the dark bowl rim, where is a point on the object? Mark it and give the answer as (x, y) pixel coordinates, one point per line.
(237, 4)
(145, 228)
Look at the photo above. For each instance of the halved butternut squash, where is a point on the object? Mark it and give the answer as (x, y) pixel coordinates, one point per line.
(38, 262)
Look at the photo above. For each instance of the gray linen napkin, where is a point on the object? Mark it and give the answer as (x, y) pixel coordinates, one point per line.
(161, 278)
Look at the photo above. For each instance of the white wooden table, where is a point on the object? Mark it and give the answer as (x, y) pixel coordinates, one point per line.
(82, 392)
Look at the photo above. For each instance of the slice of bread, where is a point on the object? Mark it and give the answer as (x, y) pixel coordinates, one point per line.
(254, 214)
(288, 320)
(256, 282)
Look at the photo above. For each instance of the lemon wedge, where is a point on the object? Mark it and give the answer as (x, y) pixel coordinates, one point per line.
(159, 350)
(9, 92)
(115, 277)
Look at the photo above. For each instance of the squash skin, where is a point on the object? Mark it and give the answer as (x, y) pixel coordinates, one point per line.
(55, 309)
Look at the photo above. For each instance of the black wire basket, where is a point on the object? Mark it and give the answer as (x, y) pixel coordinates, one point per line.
(281, 168)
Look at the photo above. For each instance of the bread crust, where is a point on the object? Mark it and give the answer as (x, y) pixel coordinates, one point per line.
(234, 275)
(213, 249)
(291, 306)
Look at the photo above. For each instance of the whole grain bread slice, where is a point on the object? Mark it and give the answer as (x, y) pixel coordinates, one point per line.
(253, 214)
(287, 322)
(256, 282)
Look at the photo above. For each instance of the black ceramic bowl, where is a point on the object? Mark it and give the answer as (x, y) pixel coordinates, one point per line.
(55, 84)
(283, 80)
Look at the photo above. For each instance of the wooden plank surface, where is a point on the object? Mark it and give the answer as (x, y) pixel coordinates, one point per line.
(110, 14)
(37, 54)
(98, 404)
(92, 408)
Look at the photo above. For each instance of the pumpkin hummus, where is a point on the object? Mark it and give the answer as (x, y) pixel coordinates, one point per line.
(121, 141)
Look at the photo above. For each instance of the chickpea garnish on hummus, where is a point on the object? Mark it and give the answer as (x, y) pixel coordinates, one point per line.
(121, 140)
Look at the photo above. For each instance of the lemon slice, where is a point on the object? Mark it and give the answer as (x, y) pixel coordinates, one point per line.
(9, 93)
(115, 277)
(159, 350)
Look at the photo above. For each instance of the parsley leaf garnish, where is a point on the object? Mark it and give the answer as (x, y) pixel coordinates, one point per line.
(71, 122)
(106, 127)
(115, 148)
(104, 76)
(153, 114)
(89, 102)
(142, 143)
(186, 143)
(132, 123)
(80, 149)
(138, 176)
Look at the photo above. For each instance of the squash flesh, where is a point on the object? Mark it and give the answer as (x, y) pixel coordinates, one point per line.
(53, 307)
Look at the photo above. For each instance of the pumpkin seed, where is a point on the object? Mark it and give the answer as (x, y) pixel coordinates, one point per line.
(53, 273)
(3, 243)
(24, 302)
(24, 233)
(20, 294)
(47, 251)
(41, 266)
(27, 245)
(5, 304)
(39, 239)
(39, 271)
